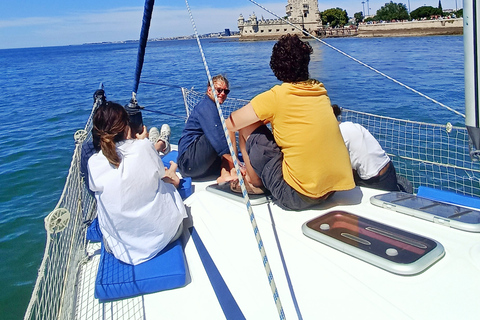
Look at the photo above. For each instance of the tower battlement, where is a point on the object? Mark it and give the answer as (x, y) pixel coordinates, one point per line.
(303, 14)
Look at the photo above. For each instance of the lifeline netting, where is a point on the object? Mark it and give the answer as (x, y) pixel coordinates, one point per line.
(426, 154)
(430, 155)
(60, 291)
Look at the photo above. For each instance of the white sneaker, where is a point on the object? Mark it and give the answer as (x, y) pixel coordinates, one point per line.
(165, 136)
(153, 135)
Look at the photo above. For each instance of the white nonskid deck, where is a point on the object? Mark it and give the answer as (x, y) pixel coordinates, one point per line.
(327, 283)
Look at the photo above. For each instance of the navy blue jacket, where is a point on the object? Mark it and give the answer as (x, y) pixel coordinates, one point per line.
(204, 120)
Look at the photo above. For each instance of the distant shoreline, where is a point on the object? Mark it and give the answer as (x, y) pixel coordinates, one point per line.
(391, 29)
(412, 28)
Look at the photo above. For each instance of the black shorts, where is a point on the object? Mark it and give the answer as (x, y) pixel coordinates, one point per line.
(266, 159)
(199, 159)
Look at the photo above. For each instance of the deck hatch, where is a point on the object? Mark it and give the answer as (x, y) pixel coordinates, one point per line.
(431, 209)
(384, 246)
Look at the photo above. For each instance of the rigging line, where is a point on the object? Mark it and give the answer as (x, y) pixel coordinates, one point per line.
(358, 61)
(246, 199)
(285, 268)
(165, 113)
(161, 84)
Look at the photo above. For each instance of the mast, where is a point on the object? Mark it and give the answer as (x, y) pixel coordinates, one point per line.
(472, 74)
(133, 108)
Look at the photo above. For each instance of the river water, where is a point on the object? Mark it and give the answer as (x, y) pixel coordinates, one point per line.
(47, 96)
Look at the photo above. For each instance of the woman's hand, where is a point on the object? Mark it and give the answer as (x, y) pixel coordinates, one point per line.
(143, 135)
(171, 175)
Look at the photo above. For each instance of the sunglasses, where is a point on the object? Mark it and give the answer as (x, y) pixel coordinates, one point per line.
(226, 91)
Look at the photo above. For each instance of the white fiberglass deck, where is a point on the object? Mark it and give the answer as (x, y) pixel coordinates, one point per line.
(327, 284)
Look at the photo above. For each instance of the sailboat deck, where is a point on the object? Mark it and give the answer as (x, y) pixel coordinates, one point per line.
(326, 283)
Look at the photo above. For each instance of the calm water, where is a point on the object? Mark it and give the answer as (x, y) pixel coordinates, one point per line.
(47, 96)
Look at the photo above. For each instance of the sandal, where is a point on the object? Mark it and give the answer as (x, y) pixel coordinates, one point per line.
(235, 187)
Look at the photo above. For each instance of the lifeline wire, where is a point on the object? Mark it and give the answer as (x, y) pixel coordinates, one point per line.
(358, 61)
(246, 199)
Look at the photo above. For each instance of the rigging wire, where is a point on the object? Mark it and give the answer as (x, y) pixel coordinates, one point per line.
(162, 112)
(358, 61)
(253, 221)
(161, 84)
(165, 113)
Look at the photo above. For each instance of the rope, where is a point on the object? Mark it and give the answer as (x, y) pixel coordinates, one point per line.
(358, 61)
(161, 84)
(165, 113)
(246, 199)
(284, 264)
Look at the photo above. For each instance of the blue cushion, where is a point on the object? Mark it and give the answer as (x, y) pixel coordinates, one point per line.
(448, 197)
(185, 187)
(171, 156)
(94, 233)
(119, 280)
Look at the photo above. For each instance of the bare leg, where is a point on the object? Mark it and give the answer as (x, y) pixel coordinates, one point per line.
(160, 145)
(244, 134)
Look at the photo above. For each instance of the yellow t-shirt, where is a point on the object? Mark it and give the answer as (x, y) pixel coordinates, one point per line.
(315, 159)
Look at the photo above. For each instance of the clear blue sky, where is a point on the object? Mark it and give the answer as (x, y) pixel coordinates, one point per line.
(36, 23)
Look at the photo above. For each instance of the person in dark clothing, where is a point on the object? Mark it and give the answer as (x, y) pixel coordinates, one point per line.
(202, 148)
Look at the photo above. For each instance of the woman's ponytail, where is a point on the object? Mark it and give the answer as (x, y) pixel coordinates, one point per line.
(109, 124)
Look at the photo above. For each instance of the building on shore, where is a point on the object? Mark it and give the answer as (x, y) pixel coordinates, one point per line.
(303, 14)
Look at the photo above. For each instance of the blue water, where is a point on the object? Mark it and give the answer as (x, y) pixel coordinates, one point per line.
(47, 96)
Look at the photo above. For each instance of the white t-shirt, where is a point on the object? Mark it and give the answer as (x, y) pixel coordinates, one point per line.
(138, 213)
(366, 155)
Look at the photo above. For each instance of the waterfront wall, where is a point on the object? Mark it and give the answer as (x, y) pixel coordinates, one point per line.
(412, 28)
(392, 29)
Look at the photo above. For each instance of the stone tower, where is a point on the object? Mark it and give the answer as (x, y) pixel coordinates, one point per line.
(305, 10)
(303, 14)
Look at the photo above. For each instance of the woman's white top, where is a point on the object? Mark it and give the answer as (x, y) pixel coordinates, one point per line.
(366, 155)
(138, 213)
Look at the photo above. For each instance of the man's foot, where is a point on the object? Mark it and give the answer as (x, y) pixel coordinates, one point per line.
(251, 189)
(165, 137)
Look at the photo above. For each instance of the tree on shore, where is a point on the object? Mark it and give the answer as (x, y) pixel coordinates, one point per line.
(392, 11)
(334, 17)
(425, 12)
(358, 17)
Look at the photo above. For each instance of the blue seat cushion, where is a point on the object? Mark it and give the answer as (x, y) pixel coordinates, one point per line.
(448, 197)
(118, 280)
(94, 233)
(171, 156)
(185, 188)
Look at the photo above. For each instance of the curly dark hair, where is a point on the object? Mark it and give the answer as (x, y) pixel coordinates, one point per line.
(290, 59)
(336, 110)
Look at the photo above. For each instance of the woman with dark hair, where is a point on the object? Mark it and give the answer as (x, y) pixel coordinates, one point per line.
(304, 160)
(138, 207)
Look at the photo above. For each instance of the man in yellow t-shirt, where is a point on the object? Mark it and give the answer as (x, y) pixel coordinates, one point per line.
(305, 159)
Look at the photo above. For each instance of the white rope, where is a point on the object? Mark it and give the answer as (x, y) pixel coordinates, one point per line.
(360, 62)
(246, 199)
